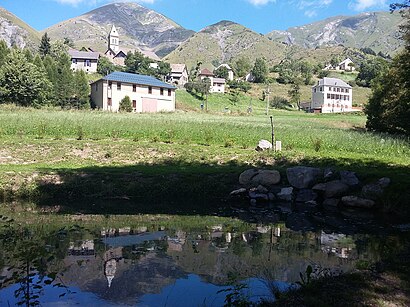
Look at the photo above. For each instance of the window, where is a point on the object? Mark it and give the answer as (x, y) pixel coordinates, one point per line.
(321, 89)
(333, 96)
(74, 61)
(338, 90)
(330, 89)
(134, 104)
(109, 85)
(347, 90)
(342, 90)
(134, 87)
(337, 96)
(328, 104)
(328, 96)
(109, 102)
(161, 91)
(87, 63)
(169, 92)
(149, 89)
(314, 90)
(118, 86)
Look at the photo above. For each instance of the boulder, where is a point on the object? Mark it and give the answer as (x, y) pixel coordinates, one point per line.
(329, 174)
(258, 196)
(372, 191)
(264, 145)
(336, 188)
(357, 202)
(302, 177)
(384, 182)
(254, 177)
(349, 178)
(320, 187)
(262, 189)
(306, 195)
(271, 196)
(245, 177)
(266, 178)
(331, 202)
(285, 194)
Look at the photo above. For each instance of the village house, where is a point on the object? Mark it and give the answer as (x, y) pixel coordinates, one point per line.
(345, 65)
(331, 95)
(217, 84)
(146, 93)
(230, 71)
(84, 60)
(178, 75)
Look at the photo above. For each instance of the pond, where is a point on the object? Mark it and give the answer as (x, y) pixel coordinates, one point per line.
(172, 265)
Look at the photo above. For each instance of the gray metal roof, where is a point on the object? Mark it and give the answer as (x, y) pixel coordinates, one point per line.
(332, 82)
(136, 79)
(86, 55)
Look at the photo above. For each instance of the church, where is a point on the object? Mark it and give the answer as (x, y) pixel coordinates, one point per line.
(117, 54)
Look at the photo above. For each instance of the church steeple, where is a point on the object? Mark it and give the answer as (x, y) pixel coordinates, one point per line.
(114, 40)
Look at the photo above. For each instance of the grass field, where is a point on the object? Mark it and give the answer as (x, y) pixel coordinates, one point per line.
(178, 156)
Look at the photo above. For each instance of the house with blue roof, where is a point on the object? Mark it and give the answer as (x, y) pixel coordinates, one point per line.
(147, 93)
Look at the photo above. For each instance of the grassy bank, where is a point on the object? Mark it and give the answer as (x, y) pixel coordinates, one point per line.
(183, 157)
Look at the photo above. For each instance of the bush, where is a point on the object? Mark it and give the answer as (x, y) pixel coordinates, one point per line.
(125, 104)
(279, 102)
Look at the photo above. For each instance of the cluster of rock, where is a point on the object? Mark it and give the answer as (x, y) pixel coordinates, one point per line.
(310, 186)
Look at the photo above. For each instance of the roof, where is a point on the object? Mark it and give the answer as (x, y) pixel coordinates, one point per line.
(86, 55)
(136, 79)
(332, 82)
(178, 68)
(225, 65)
(206, 72)
(346, 60)
(219, 80)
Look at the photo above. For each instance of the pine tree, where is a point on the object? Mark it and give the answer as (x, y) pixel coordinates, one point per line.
(81, 90)
(4, 51)
(260, 70)
(63, 82)
(45, 46)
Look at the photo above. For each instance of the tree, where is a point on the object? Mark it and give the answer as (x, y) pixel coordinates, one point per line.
(45, 45)
(388, 109)
(81, 91)
(241, 67)
(21, 82)
(125, 104)
(4, 51)
(136, 62)
(294, 92)
(69, 42)
(163, 69)
(369, 70)
(63, 82)
(221, 72)
(260, 70)
(105, 66)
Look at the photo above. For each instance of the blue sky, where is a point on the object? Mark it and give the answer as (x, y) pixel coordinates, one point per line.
(259, 15)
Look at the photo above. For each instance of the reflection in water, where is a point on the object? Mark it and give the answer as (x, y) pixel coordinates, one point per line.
(151, 267)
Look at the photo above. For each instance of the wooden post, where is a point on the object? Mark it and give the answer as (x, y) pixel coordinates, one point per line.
(273, 133)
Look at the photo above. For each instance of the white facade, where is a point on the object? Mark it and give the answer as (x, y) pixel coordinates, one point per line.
(217, 85)
(107, 94)
(114, 40)
(178, 74)
(331, 95)
(84, 60)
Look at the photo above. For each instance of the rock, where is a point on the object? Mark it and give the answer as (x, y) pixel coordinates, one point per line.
(238, 192)
(357, 202)
(259, 177)
(372, 191)
(331, 202)
(246, 176)
(336, 188)
(285, 194)
(271, 196)
(258, 196)
(302, 177)
(320, 187)
(262, 189)
(329, 174)
(306, 195)
(284, 207)
(349, 178)
(384, 182)
(266, 178)
(253, 202)
(264, 145)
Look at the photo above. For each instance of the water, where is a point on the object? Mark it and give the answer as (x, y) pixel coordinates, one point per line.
(170, 266)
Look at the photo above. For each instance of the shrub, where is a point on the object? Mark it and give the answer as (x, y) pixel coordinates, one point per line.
(125, 104)
(279, 102)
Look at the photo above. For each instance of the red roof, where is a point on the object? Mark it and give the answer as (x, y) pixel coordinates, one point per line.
(206, 72)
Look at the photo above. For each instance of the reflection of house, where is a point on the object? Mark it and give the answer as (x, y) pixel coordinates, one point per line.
(331, 95)
(178, 74)
(230, 71)
(84, 60)
(146, 93)
(85, 248)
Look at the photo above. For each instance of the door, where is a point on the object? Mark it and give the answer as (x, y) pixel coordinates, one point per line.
(149, 105)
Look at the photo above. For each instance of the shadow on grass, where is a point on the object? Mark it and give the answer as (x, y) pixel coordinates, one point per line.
(179, 187)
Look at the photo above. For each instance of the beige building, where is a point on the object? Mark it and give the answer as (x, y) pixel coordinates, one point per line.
(146, 93)
(217, 84)
(84, 60)
(178, 74)
(331, 95)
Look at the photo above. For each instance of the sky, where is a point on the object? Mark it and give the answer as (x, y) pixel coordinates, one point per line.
(261, 16)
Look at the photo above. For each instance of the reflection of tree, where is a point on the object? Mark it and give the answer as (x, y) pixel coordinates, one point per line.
(29, 257)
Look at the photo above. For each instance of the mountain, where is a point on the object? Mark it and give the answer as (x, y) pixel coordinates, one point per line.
(16, 32)
(224, 42)
(138, 27)
(377, 30)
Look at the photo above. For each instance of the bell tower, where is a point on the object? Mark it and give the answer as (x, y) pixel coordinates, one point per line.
(114, 40)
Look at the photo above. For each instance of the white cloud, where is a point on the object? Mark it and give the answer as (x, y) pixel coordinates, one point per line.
(260, 2)
(360, 5)
(312, 6)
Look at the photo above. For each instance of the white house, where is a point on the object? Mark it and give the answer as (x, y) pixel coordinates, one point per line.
(230, 70)
(331, 95)
(217, 84)
(84, 60)
(146, 93)
(178, 74)
(346, 65)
